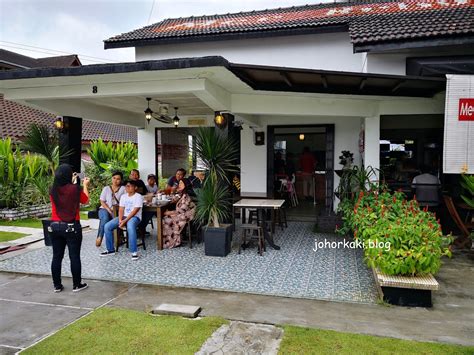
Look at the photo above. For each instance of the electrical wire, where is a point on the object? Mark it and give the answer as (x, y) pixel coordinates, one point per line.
(151, 12)
(52, 51)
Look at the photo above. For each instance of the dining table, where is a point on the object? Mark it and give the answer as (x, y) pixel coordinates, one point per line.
(262, 206)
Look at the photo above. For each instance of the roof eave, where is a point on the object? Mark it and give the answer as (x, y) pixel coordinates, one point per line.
(108, 44)
(412, 44)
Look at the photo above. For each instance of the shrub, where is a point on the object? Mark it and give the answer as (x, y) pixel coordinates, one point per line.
(102, 153)
(416, 242)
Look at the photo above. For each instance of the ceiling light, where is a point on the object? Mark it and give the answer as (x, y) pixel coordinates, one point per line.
(176, 118)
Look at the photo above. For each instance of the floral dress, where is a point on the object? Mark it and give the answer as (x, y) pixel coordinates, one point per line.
(174, 224)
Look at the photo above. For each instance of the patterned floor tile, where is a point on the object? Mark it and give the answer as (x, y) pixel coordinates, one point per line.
(294, 271)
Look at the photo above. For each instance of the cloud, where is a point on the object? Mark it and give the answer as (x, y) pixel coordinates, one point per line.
(80, 26)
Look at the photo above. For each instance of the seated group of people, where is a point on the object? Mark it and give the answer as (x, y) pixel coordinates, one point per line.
(131, 216)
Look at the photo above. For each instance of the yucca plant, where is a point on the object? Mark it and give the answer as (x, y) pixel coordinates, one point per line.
(218, 154)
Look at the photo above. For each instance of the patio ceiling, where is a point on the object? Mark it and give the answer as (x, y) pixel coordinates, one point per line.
(187, 104)
(333, 82)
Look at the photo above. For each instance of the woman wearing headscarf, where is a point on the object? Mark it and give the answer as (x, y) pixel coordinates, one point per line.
(66, 195)
(174, 221)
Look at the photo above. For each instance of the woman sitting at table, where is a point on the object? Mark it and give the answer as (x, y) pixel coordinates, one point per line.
(174, 221)
(109, 197)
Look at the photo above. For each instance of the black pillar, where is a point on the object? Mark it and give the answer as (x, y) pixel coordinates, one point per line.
(70, 142)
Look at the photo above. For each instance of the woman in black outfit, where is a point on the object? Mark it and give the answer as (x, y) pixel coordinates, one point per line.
(66, 195)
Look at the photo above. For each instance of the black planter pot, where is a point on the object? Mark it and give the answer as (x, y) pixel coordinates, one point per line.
(47, 236)
(407, 297)
(217, 241)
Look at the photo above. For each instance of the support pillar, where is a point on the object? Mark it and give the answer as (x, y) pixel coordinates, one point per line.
(372, 143)
(70, 140)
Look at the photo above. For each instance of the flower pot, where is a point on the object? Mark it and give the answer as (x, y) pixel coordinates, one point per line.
(217, 241)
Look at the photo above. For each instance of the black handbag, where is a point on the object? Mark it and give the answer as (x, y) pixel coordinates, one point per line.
(63, 227)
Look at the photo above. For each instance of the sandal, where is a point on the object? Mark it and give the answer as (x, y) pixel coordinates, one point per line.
(98, 242)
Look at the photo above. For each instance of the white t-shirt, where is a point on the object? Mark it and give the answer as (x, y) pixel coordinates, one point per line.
(107, 197)
(131, 202)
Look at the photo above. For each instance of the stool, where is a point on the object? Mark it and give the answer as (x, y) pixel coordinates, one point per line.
(281, 218)
(122, 236)
(252, 227)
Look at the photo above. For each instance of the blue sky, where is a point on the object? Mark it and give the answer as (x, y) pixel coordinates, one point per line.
(80, 26)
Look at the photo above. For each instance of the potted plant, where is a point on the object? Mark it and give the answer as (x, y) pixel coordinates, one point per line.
(214, 201)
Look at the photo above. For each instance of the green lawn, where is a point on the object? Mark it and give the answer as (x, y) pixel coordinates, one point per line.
(299, 340)
(27, 222)
(8, 236)
(118, 331)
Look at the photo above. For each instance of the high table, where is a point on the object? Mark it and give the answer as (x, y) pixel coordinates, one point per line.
(261, 205)
(158, 207)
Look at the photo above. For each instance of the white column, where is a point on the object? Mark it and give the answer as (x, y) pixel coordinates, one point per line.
(372, 142)
(253, 162)
(146, 151)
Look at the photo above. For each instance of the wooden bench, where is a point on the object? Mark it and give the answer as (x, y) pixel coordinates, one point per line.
(414, 291)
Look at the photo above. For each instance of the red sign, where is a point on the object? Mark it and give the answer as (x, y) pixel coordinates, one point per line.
(466, 110)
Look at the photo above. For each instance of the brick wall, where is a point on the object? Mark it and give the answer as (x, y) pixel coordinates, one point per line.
(12, 214)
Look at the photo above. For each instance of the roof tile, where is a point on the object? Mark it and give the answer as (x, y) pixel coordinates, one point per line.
(407, 18)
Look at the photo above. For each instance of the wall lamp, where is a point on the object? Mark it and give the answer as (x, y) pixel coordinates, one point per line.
(220, 119)
(301, 137)
(59, 123)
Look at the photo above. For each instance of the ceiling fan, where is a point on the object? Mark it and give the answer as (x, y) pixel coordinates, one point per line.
(162, 115)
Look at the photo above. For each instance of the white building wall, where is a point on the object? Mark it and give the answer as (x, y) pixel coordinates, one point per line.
(329, 51)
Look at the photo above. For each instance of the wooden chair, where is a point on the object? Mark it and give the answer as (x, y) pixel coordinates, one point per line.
(122, 236)
(187, 230)
(463, 227)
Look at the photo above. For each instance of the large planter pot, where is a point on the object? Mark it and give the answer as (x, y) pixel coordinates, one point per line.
(217, 241)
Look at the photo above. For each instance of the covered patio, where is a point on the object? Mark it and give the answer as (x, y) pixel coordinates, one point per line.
(294, 271)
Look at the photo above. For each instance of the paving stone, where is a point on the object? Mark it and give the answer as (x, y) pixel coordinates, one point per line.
(177, 310)
(243, 338)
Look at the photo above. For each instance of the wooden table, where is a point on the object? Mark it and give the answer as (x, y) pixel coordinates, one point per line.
(159, 208)
(261, 205)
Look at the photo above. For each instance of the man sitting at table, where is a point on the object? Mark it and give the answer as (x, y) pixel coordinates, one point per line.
(130, 214)
(135, 176)
(426, 187)
(173, 182)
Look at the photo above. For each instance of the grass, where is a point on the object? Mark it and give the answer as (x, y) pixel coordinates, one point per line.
(26, 222)
(118, 331)
(8, 236)
(298, 340)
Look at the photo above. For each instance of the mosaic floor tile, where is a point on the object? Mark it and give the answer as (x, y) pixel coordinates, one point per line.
(294, 271)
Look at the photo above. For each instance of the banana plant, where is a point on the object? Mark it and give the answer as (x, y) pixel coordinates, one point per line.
(13, 173)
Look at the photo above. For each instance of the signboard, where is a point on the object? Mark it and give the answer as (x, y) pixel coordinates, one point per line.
(466, 109)
(458, 147)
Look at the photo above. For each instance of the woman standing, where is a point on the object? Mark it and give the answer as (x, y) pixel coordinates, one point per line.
(174, 221)
(109, 197)
(66, 195)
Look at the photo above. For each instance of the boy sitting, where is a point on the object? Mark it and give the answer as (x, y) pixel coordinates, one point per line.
(130, 215)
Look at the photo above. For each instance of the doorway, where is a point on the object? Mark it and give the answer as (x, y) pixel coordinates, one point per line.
(302, 156)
